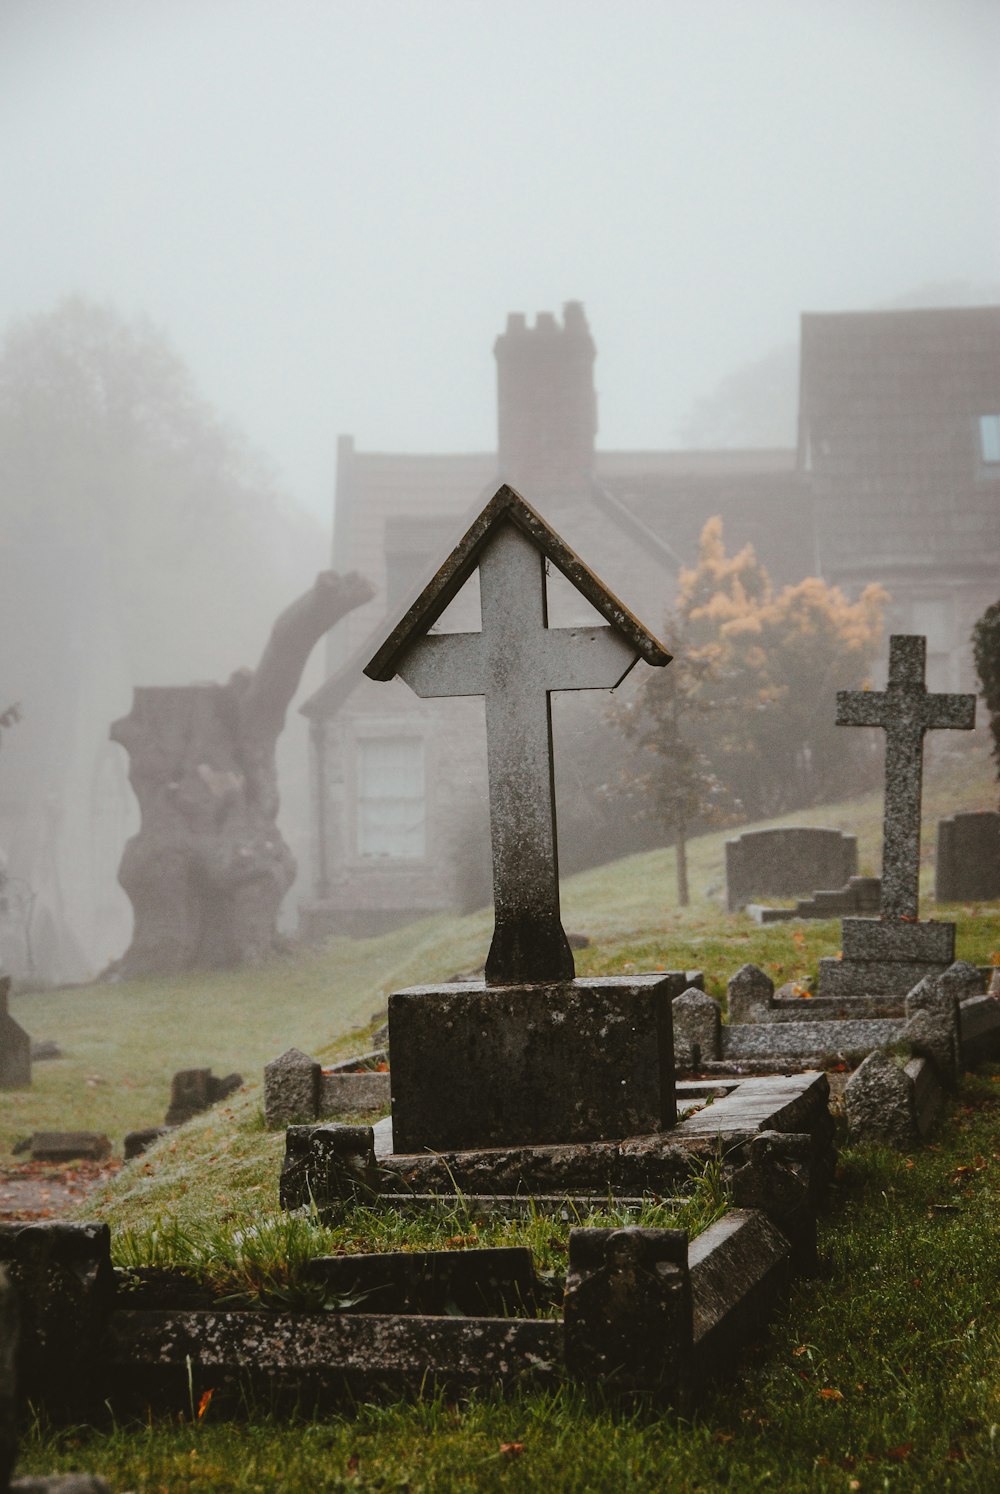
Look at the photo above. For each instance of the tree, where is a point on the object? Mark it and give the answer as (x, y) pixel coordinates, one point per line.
(673, 773)
(108, 449)
(986, 655)
(766, 666)
(208, 869)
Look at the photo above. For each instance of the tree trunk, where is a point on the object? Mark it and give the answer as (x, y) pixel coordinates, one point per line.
(680, 854)
(207, 871)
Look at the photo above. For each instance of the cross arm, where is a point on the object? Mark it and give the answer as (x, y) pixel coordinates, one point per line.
(954, 712)
(585, 658)
(445, 664)
(861, 708)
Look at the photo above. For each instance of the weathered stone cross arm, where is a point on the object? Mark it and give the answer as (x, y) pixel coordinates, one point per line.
(515, 661)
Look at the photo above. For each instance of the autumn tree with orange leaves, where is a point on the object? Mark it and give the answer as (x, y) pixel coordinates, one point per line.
(762, 668)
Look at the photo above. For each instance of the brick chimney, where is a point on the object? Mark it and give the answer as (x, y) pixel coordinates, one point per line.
(546, 403)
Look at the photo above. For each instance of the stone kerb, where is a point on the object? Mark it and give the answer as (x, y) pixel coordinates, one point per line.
(298, 1089)
(790, 861)
(967, 864)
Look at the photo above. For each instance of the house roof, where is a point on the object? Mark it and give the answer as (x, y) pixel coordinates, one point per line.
(889, 430)
(507, 507)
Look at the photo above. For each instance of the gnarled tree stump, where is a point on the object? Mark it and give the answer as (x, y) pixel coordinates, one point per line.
(208, 869)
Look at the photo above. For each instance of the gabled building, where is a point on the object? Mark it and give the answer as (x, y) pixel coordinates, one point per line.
(896, 479)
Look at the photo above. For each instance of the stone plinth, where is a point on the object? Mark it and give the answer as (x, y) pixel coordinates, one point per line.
(491, 1066)
(886, 957)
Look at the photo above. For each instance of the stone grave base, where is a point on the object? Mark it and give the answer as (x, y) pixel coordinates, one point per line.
(642, 1311)
(883, 958)
(483, 1065)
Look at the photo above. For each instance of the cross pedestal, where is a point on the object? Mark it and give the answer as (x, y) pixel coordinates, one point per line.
(529, 1055)
(887, 956)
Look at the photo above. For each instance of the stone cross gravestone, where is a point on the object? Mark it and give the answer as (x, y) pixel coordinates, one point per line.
(515, 662)
(888, 955)
(530, 1054)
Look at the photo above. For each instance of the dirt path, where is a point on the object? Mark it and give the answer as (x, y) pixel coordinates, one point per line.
(41, 1190)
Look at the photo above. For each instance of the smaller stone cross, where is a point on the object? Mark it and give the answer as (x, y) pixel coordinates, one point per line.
(515, 661)
(905, 711)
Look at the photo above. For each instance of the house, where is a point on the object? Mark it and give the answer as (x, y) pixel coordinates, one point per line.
(400, 783)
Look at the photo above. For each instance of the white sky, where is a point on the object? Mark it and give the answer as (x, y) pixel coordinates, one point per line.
(331, 207)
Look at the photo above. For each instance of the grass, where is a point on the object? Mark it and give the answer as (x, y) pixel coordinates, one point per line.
(884, 1373)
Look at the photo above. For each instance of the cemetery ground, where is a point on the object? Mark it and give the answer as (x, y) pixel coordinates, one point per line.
(882, 1372)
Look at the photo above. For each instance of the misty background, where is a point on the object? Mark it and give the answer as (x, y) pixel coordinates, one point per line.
(234, 231)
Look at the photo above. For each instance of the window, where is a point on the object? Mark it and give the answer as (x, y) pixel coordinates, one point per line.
(989, 439)
(391, 806)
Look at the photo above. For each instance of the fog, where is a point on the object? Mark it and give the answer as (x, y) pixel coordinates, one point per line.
(331, 207)
(312, 220)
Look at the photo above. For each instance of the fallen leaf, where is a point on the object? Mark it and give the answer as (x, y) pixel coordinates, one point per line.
(353, 1463)
(829, 1394)
(205, 1402)
(511, 1449)
(802, 1349)
(901, 1453)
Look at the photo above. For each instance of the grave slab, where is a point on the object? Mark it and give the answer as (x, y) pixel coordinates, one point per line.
(478, 1065)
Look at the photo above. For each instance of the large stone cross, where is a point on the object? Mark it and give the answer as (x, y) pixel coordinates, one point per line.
(515, 662)
(905, 711)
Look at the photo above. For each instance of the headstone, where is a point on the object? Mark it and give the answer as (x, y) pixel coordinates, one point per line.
(749, 994)
(15, 1045)
(697, 1018)
(786, 862)
(291, 1089)
(967, 867)
(887, 956)
(195, 1090)
(529, 1055)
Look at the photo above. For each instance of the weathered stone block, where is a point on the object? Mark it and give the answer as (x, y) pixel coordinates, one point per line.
(8, 1379)
(69, 1146)
(291, 1089)
(195, 1090)
(627, 1316)
(480, 1065)
(822, 1043)
(306, 1357)
(749, 995)
(326, 1163)
(15, 1045)
(979, 1025)
(872, 980)
(967, 864)
(697, 1018)
(737, 1267)
(137, 1142)
(340, 1093)
(897, 939)
(64, 1281)
(881, 1101)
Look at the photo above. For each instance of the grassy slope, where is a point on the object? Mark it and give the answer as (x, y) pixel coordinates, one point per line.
(883, 1375)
